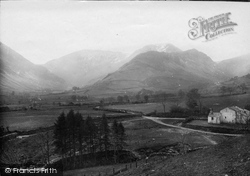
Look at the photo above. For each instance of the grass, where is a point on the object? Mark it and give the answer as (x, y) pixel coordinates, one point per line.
(146, 133)
(231, 157)
(218, 103)
(33, 119)
(145, 107)
(94, 171)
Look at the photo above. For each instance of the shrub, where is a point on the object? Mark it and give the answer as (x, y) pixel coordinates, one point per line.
(177, 109)
(247, 107)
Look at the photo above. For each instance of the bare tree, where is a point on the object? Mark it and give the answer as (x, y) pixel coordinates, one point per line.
(45, 142)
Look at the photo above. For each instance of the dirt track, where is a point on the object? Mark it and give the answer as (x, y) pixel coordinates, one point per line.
(156, 119)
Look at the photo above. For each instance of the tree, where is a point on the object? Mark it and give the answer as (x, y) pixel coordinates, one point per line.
(118, 137)
(104, 135)
(146, 98)
(80, 128)
(121, 136)
(163, 96)
(243, 87)
(120, 99)
(75, 88)
(247, 107)
(60, 136)
(181, 95)
(177, 109)
(115, 138)
(71, 130)
(91, 134)
(137, 97)
(223, 89)
(193, 99)
(126, 98)
(44, 143)
(102, 102)
(230, 90)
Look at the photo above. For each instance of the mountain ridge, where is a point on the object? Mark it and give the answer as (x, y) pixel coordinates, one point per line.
(19, 74)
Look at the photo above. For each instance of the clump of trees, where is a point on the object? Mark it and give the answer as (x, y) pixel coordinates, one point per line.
(78, 139)
(194, 103)
(230, 89)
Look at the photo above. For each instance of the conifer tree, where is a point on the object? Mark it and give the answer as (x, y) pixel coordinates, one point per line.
(60, 136)
(115, 138)
(104, 135)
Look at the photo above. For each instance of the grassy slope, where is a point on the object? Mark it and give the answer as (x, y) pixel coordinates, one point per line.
(231, 157)
(218, 103)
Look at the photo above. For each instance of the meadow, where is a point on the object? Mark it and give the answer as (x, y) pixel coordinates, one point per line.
(145, 107)
(218, 103)
(44, 117)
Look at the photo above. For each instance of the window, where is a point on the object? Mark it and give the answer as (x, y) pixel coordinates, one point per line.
(225, 117)
(212, 118)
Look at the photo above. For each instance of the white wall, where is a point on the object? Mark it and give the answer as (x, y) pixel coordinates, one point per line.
(228, 115)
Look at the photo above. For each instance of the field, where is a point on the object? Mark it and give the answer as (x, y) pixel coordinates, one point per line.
(145, 107)
(144, 133)
(218, 103)
(33, 119)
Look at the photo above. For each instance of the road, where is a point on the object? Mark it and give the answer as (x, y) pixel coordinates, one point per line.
(156, 119)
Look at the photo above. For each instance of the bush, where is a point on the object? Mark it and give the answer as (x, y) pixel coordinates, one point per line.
(247, 107)
(177, 109)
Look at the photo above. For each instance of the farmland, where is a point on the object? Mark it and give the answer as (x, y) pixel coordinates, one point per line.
(218, 103)
(33, 119)
(145, 107)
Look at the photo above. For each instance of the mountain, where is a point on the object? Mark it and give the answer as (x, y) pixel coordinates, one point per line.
(168, 71)
(238, 66)
(19, 74)
(86, 66)
(166, 48)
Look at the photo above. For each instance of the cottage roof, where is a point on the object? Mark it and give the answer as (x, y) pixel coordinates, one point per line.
(239, 110)
(214, 114)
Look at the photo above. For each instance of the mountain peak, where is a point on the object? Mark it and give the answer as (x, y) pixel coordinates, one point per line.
(167, 48)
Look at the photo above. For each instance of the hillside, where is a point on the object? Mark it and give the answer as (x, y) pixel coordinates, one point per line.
(235, 83)
(231, 157)
(86, 66)
(19, 74)
(161, 71)
(166, 48)
(238, 66)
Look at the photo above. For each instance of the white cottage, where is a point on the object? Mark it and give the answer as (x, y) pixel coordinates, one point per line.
(214, 117)
(232, 114)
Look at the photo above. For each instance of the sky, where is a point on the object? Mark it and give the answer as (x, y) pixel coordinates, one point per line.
(42, 31)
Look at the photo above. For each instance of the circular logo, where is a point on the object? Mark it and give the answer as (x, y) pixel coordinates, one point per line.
(8, 170)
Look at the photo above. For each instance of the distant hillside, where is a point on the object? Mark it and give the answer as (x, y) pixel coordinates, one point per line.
(238, 80)
(235, 83)
(19, 74)
(161, 71)
(238, 66)
(86, 66)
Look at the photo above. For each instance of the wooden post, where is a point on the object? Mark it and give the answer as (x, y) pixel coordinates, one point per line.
(126, 167)
(130, 165)
(113, 170)
(136, 164)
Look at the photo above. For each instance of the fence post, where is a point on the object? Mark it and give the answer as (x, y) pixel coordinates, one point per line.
(113, 171)
(99, 174)
(126, 167)
(130, 165)
(136, 163)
